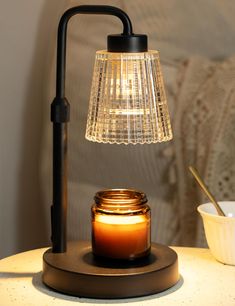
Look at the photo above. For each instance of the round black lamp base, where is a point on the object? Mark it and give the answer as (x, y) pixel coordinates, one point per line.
(77, 272)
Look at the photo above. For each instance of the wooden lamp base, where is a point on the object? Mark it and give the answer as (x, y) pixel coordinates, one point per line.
(77, 272)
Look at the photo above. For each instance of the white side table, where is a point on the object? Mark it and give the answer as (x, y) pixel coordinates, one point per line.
(204, 281)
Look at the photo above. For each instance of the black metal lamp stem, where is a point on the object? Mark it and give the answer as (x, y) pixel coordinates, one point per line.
(60, 118)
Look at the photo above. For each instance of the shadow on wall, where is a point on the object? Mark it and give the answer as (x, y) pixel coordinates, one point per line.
(31, 229)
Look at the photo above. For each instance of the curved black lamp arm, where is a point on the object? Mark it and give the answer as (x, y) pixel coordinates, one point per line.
(62, 30)
(60, 117)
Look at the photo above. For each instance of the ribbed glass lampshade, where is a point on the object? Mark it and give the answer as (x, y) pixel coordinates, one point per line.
(128, 102)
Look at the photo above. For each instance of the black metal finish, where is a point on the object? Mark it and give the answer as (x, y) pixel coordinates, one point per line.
(59, 207)
(77, 272)
(60, 110)
(60, 114)
(127, 43)
(62, 30)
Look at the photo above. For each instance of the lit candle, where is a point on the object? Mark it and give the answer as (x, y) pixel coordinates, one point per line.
(121, 225)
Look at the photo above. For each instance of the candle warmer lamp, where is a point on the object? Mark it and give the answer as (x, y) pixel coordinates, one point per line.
(127, 105)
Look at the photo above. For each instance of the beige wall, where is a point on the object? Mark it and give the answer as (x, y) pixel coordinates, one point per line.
(26, 30)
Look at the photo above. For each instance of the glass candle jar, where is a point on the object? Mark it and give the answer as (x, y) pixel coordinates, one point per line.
(121, 224)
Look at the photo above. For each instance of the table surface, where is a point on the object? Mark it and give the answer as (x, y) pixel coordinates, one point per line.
(204, 281)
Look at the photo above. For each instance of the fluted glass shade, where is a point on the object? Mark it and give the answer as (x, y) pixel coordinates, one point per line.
(128, 102)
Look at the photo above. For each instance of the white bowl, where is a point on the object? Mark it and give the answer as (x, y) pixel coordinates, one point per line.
(220, 231)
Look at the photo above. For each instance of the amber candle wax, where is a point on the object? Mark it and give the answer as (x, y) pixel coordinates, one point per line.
(121, 225)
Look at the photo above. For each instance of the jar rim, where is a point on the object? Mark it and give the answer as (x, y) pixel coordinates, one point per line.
(121, 197)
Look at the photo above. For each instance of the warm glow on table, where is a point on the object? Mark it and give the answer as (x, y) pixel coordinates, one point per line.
(120, 236)
(204, 282)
